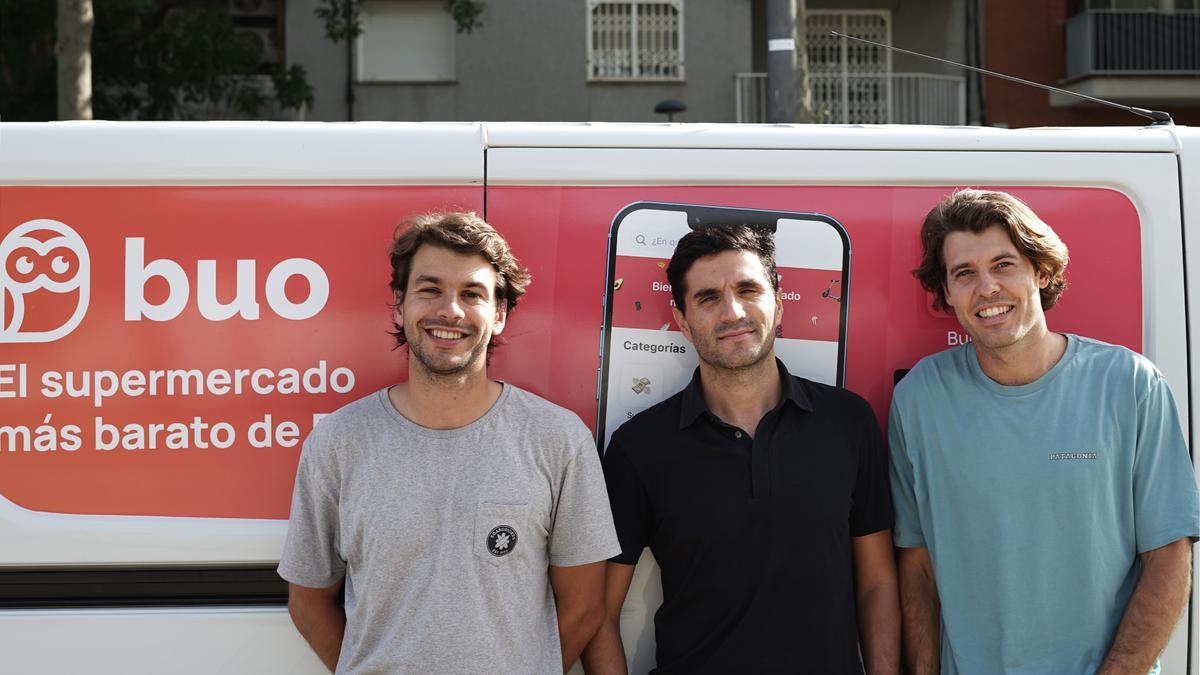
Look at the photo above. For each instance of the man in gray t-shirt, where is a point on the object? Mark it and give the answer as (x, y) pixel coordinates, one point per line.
(467, 519)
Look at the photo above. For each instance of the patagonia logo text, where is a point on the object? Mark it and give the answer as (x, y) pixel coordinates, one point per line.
(1061, 456)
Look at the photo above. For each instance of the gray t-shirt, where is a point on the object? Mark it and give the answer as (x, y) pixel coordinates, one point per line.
(444, 536)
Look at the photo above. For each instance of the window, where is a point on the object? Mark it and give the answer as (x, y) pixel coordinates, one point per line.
(639, 40)
(259, 25)
(405, 41)
(851, 81)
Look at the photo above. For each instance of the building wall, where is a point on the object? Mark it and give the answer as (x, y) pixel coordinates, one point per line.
(944, 29)
(529, 62)
(933, 27)
(1026, 38)
(323, 61)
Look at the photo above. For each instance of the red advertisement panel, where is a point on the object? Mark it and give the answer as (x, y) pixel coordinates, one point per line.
(165, 350)
(562, 234)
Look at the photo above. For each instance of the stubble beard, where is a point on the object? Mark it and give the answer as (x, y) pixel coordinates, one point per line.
(998, 343)
(449, 367)
(736, 361)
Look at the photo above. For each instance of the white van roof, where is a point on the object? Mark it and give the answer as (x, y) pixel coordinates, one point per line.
(829, 137)
(432, 153)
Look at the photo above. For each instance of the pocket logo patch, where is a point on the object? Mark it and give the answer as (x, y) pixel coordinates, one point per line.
(501, 540)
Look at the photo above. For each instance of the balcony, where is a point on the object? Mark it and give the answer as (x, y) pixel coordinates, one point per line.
(1143, 57)
(896, 98)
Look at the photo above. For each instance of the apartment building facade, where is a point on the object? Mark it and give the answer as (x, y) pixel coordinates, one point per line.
(615, 60)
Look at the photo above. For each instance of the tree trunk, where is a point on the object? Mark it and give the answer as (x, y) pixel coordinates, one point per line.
(74, 52)
(804, 102)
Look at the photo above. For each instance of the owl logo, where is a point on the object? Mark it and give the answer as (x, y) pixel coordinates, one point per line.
(44, 281)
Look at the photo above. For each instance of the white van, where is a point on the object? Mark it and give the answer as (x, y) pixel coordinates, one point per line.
(180, 303)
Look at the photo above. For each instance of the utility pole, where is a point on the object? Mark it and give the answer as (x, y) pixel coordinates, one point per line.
(781, 61)
(350, 79)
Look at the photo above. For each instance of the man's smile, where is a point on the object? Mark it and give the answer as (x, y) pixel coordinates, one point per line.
(994, 311)
(446, 334)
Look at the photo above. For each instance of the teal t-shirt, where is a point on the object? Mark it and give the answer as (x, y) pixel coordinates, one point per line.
(1034, 501)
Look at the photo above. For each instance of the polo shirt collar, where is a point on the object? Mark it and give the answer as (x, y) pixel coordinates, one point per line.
(693, 404)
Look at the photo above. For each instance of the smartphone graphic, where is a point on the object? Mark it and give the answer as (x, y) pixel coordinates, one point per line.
(644, 356)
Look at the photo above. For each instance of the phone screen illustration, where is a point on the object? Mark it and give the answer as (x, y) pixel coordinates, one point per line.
(645, 357)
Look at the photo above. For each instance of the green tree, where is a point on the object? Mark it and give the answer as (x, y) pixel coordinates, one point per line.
(151, 60)
(27, 65)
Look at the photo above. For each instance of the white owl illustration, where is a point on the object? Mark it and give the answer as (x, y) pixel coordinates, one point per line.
(44, 269)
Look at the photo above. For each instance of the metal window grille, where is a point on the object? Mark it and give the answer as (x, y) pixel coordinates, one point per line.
(917, 98)
(851, 81)
(635, 39)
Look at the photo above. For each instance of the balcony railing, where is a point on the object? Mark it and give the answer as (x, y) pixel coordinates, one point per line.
(750, 97)
(919, 98)
(898, 98)
(1101, 42)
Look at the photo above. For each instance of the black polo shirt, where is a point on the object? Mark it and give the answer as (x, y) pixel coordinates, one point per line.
(753, 535)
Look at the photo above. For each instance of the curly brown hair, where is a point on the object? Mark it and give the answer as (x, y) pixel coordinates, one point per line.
(461, 232)
(975, 211)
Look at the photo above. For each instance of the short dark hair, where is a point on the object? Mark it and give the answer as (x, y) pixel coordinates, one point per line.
(716, 239)
(461, 232)
(975, 211)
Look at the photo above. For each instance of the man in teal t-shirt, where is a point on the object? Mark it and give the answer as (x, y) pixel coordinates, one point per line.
(1045, 500)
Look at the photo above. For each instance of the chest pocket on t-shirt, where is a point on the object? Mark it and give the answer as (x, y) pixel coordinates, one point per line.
(501, 531)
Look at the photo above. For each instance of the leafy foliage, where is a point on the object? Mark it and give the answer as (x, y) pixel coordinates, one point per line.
(466, 13)
(27, 65)
(343, 18)
(151, 60)
(292, 89)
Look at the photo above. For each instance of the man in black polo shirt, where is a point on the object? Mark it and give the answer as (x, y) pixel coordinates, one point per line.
(763, 496)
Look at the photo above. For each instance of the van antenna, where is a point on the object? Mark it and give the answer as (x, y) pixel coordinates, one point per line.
(1157, 117)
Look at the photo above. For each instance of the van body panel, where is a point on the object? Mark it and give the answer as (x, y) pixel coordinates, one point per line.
(239, 153)
(1189, 181)
(153, 641)
(332, 194)
(1123, 280)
